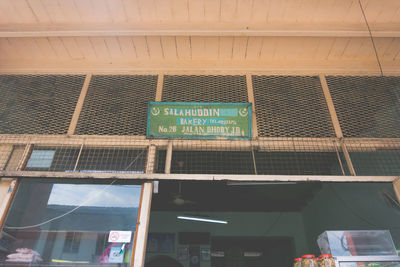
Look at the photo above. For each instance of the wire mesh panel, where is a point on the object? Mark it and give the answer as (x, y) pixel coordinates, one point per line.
(160, 161)
(299, 163)
(117, 105)
(112, 160)
(219, 89)
(5, 152)
(367, 106)
(291, 106)
(268, 157)
(375, 158)
(15, 158)
(38, 104)
(87, 159)
(300, 157)
(212, 162)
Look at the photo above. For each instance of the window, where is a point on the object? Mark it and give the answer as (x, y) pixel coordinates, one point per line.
(52, 222)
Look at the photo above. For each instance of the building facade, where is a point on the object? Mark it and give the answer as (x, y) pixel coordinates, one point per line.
(78, 169)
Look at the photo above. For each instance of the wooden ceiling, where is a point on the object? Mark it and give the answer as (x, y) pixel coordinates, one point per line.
(313, 36)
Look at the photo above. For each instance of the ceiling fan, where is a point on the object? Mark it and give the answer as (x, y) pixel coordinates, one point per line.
(178, 198)
(390, 199)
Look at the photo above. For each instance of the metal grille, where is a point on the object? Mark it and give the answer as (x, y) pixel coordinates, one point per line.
(375, 157)
(5, 152)
(15, 158)
(300, 157)
(220, 89)
(212, 162)
(367, 106)
(160, 161)
(298, 163)
(117, 105)
(269, 157)
(38, 104)
(291, 106)
(87, 159)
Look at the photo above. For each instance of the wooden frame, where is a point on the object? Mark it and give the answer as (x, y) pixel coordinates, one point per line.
(141, 223)
(79, 105)
(203, 177)
(335, 122)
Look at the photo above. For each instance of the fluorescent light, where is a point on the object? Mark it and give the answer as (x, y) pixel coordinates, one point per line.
(217, 254)
(252, 254)
(201, 219)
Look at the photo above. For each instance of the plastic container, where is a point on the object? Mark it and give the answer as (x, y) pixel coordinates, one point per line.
(297, 262)
(326, 260)
(309, 261)
(357, 243)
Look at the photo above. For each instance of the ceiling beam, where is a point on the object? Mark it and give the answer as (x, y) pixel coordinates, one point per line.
(260, 33)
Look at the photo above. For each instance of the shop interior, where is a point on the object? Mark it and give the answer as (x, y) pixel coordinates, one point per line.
(222, 223)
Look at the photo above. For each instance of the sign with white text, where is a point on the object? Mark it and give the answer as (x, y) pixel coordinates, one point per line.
(120, 236)
(199, 120)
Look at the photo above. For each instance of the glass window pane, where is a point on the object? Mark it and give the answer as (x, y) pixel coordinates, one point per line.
(50, 222)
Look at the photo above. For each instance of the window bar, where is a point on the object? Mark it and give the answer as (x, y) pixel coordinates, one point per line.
(79, 105)
(79, 156)
(151, 156)
(335, 122)
(160, 84)
(139, 251)
(25, 156)
(250, 96)
(347, 157)
(254, 160)
(338, 156)
(168, 158)
(396, 187)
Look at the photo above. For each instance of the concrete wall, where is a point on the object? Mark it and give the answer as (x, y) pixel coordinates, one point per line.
(245, 224)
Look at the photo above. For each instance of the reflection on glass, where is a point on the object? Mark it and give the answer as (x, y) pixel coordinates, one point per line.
(54, 224)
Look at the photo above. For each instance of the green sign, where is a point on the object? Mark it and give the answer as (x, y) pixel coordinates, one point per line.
(199, 120)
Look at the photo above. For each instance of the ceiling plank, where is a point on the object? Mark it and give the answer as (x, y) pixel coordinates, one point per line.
(240, 47)
(169, 47)
(70, 10)
(254, 48)
(142, 50)
(163, 10)
(228, 10)
(180, 10)
(184, 47)
(196, 10)
(225, 47)
(39, 11)
(131, 10)
(100, 48)
(154, 45)
(117, 11)
(127, 47)
(198, 47)
(86, 47)
(211, 47)
(46, 48)
(212, 10)
(217, 32)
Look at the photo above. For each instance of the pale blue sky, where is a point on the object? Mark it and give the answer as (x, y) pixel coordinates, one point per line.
(95, 195)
